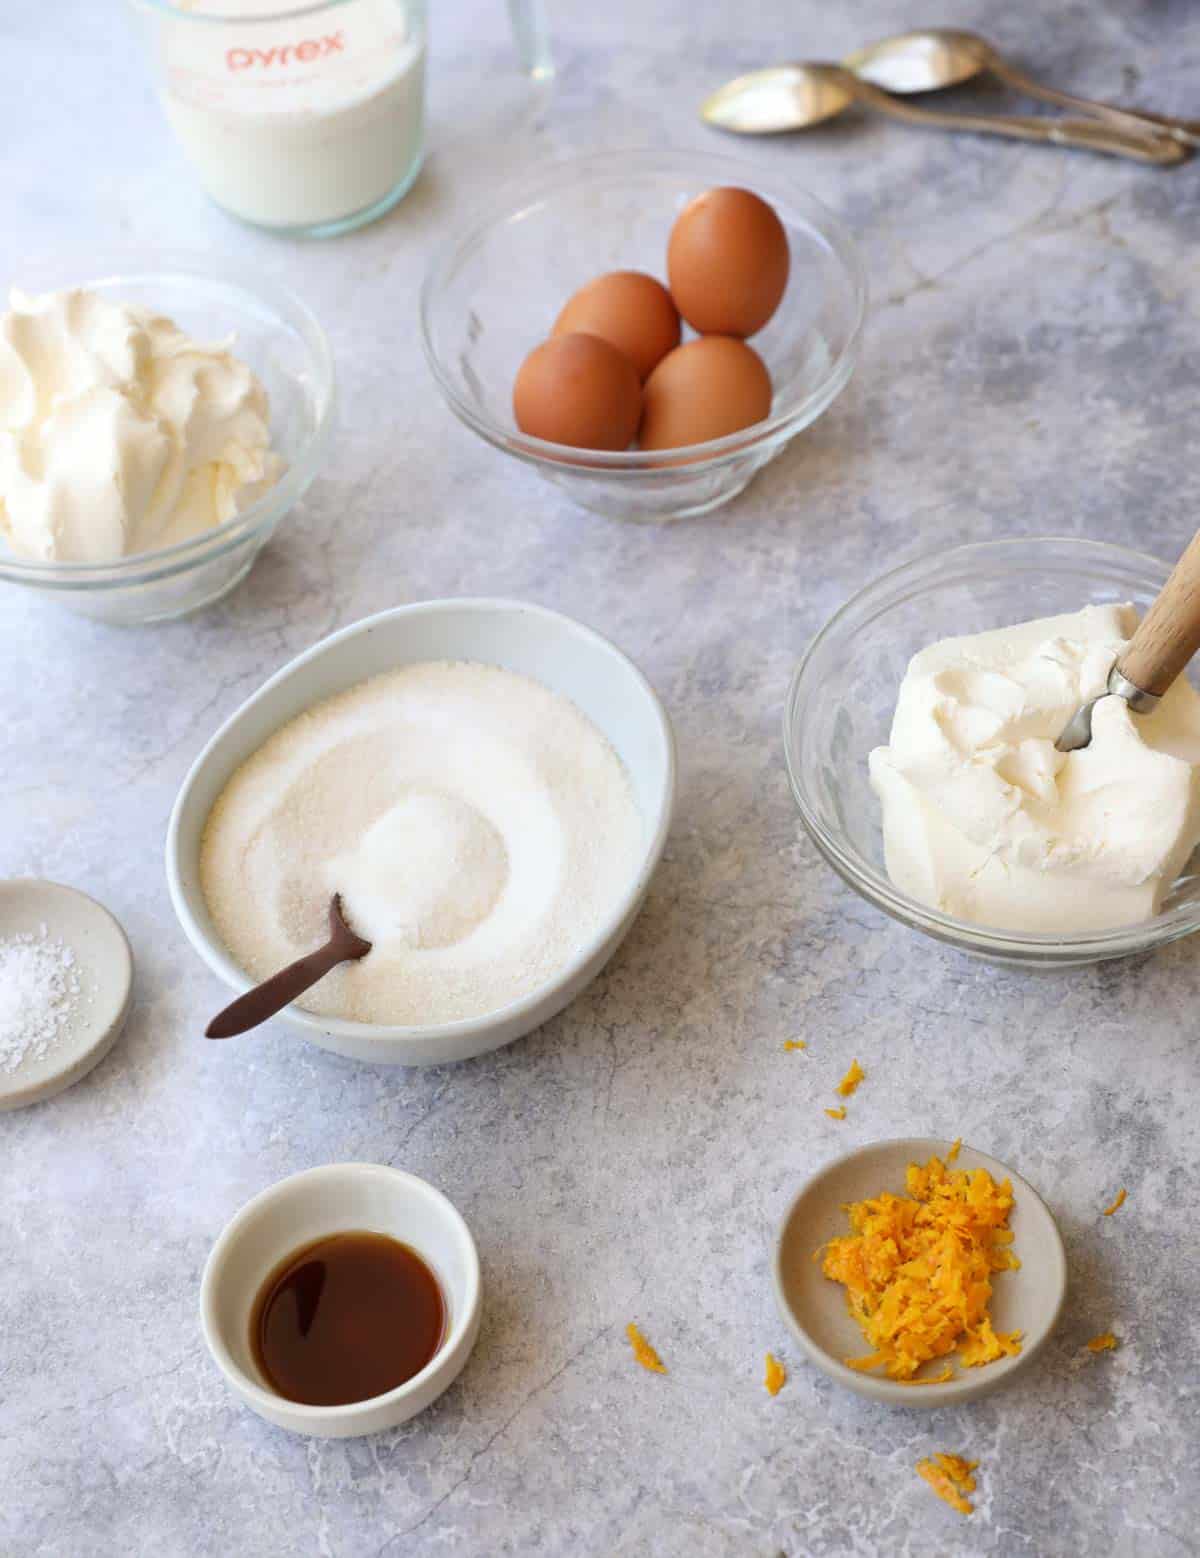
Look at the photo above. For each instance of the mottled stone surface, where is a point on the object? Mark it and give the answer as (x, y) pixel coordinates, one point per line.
(1030, 366)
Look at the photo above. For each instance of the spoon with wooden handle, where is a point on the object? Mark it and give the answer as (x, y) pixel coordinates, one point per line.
(281, 989)
(1166, 639)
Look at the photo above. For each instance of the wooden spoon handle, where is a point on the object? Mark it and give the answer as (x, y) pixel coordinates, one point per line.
(1169, 633)
(274, 994)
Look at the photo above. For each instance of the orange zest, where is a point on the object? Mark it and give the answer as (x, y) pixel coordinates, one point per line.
(837, 1114)
(776, 1375)
(643, 1352)
(1105, 1342)
(918, 1270)
(934, 1379)
(794, 1044)
(950, 1478)
(955, 1149)
(1117, 1204)
(850, 1081)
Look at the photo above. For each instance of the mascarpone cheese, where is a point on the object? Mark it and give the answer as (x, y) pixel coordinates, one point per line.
(986, 821)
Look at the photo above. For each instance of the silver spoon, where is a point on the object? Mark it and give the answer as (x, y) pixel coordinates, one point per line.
(937, 57)
(793, 97)
(281, 989)
(1165, 640)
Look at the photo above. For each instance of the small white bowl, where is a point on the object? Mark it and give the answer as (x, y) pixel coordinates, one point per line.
(339, 1198)
(1028, 1300)
(554, 650)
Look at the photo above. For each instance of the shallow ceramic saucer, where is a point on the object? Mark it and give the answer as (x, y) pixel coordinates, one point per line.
(1028, 1300)
(104, 966)
(339, 1198)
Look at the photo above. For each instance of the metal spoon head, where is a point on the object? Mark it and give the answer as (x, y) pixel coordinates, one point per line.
(922, 61)
(784, 97)
(1077, 732)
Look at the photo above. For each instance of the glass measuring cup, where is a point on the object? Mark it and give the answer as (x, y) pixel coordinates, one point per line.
(308, 118)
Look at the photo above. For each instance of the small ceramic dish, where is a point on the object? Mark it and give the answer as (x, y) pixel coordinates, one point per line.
(555, 651)
(339, 1198)
(272, 331)
(103, 967)
(843, 695)
(1028, 1300)
(493, 291)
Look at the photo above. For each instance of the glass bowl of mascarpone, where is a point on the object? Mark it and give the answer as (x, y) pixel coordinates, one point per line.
(158, 419)
(919, 734)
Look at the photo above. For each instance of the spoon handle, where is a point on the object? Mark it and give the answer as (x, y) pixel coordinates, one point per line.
(1088, 135)
(257, 1005)
(1169, 634)
(1187, 131)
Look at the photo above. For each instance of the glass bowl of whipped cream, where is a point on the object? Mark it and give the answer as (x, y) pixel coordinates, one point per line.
(919, 733)
(158, 419)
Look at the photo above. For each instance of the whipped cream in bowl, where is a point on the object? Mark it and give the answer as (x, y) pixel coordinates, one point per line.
(157, 421)
(920, 730)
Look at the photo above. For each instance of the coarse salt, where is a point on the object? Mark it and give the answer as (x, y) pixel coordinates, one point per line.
(39, 992)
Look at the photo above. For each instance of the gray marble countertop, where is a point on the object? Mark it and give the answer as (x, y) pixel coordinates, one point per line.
(1030, 366)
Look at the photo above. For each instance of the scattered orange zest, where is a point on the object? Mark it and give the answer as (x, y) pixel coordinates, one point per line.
(934, 1379)
(850, 1081)
(837, 1114)
(950, 1478)
(918, 1270)
(952, 1155)
(643, 1352)
(776, 1376)
(1105, 1342)
(794, 1044)
(1117, 1204)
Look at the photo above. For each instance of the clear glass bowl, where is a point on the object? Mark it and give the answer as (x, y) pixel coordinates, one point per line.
(494, 289)
(281, 340)
(843, 693)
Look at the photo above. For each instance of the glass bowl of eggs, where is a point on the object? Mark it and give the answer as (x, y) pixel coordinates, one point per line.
(647, 330)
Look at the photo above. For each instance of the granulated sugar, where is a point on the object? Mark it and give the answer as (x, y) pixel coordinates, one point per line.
(39, 992)
(479, 828)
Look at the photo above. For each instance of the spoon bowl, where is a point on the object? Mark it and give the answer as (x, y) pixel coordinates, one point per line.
(925, 61)
(779, 99)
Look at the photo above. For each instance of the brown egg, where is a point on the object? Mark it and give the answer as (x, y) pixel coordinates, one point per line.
(578, 390)
(704, 389)
(728, 262)
(631, 311)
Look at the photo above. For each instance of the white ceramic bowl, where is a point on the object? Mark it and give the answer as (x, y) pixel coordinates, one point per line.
(1028, 1300)
(339, 1198)
(560, 653)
